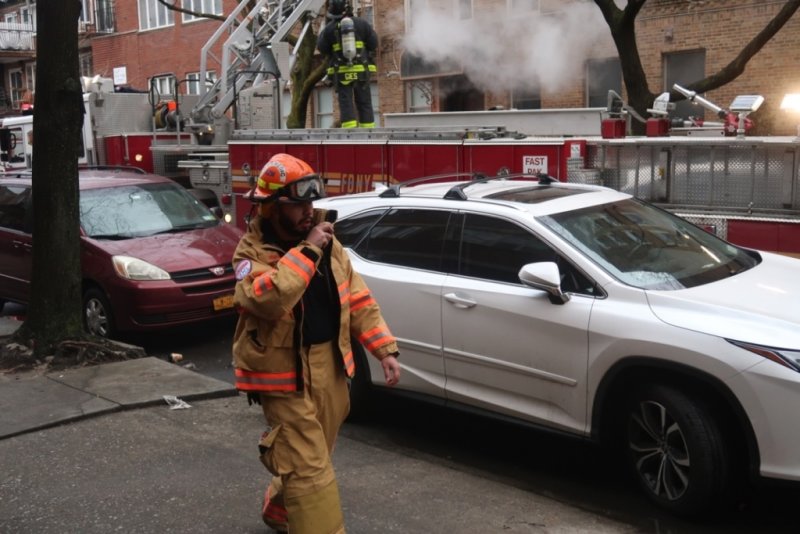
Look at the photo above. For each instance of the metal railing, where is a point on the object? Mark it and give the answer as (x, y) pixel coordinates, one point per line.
(750, 177)
(17, 36)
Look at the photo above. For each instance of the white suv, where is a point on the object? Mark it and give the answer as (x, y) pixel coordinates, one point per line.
(584, 310)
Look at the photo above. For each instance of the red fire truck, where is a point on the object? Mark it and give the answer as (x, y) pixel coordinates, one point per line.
(743, 189)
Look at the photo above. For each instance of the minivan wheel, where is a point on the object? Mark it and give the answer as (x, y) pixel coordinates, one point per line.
(675, 450)
(97, 318)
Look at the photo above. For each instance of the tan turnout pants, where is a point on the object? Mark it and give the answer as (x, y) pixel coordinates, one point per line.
(298, 447)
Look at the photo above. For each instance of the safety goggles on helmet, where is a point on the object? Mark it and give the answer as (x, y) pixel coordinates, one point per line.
(305, 189)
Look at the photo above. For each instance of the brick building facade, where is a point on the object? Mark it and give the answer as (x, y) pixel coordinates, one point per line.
(445, 55)
(676, 39)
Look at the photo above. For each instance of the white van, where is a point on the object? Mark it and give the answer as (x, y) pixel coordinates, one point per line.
(16, 143)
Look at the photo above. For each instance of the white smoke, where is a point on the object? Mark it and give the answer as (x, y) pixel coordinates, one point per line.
(504, 51)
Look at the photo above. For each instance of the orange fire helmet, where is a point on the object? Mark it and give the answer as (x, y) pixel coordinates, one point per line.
(287, 177)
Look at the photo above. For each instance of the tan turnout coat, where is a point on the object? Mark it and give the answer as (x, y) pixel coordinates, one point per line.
(269, 288)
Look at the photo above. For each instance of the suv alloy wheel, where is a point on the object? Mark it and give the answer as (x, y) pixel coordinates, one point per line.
(675, 448)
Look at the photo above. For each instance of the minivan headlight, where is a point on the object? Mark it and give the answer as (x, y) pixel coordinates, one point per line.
(136, 269)
(787, 358)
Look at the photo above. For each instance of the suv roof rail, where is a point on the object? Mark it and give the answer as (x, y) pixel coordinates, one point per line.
(131, 168)
(457, 192)
(394, 191)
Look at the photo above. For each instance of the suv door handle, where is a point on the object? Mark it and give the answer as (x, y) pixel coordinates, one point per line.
(460, 301)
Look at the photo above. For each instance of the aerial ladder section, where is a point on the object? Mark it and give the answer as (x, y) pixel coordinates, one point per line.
(247, 53)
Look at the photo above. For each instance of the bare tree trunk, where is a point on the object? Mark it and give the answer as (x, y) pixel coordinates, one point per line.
(305, 77)
(54, 311)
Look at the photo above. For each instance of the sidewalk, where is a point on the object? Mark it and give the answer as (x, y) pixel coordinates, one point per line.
(30, 401)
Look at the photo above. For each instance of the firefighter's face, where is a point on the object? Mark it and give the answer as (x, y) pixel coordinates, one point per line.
(295, 218)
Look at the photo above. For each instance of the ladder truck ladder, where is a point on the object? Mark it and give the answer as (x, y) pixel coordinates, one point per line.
(247, 55)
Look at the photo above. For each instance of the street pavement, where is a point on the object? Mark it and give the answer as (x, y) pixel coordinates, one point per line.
(100, 449)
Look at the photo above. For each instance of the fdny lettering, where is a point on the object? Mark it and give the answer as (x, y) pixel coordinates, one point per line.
(534, 164)
(243, 269)
(355, 182)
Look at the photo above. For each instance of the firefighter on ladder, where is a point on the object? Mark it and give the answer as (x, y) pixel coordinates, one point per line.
(349, 43)
(300, 301)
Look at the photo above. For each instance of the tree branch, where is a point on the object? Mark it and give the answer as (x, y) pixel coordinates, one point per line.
(172, 6)
(736, 67)
(632, 9)
(611, 13)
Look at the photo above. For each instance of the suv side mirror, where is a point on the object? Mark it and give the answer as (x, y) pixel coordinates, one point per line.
(546, 277)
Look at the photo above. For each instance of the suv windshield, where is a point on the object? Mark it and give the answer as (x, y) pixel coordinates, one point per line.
(141, 210)
(649, 248)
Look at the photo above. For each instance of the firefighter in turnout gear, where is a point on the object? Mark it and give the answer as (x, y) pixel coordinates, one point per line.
(349, 43)
(302, 309)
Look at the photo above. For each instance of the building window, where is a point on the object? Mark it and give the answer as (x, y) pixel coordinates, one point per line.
(368, 14)
(104, 15)
(210, 7)
(444, 9)
(376, 102)
(86, 11)
(523, 6)
(526, 98)
(193, 81)
(85, 64)
(684, 68)
(28, 15)
(164, 85)
(153, 14)
(324, 105)
(415, 10)
(17, 86)
(30, 77)
(602, 75)
(419, 96)
(464, 9)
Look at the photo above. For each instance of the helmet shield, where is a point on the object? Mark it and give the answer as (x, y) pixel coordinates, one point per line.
(305, 189)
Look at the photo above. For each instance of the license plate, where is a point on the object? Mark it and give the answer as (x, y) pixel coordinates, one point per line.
(224, 302)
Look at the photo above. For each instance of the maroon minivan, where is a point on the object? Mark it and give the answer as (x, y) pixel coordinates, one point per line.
(152, 255)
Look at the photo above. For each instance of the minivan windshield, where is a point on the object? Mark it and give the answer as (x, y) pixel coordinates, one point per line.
(646, 247)
(141, 210)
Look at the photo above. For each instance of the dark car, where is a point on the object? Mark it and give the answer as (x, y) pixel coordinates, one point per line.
(152, 255)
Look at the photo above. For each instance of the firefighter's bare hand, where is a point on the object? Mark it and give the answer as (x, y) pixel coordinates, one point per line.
(391, 370)
(321, 234)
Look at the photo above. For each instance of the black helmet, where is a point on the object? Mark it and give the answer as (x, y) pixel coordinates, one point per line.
(337, 7)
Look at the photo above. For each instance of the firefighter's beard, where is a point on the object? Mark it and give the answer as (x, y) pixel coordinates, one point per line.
(295, 229)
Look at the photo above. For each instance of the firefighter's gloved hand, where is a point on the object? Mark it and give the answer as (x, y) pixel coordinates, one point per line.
(253, 398)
